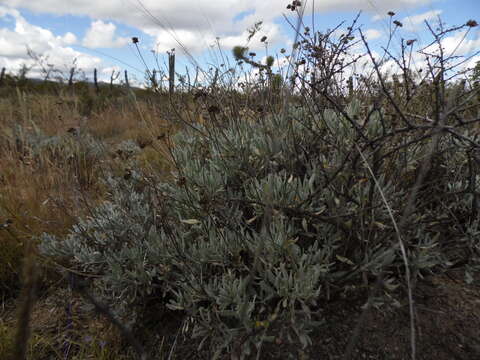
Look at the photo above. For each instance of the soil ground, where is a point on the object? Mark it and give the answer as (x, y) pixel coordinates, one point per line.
(447, 315)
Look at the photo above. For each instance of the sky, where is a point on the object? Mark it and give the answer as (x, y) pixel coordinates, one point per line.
(97, 34)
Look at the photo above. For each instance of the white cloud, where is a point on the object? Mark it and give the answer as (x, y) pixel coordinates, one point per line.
(198, 21)
(372, 34)
(52, 49)
(13, 43)
(102, 35)
(110, 69)
(106, 74)
(457, 45)
(213, 10)
(412, 23)
(193, 41)
(69, 39)
(270, 30)
(196, 41)
(195, 23)
(460, 47)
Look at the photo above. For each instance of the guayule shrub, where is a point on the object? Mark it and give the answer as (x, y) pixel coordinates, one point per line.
(120, 242)
(265, 222)
(74, 146)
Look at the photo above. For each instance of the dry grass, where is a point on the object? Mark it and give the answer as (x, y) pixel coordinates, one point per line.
(44, 191)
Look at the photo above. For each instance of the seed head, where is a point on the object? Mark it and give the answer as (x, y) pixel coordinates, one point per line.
(391, 13)
(270, 61)
(135, 40)
(213, 109)
(471, 23)
(239, 52)
(182, 181)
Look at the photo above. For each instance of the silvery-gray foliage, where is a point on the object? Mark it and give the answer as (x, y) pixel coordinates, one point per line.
(263, 224)
(127, 148)
(72, 144)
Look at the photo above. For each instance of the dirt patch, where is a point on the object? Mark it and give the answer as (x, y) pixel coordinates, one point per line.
(447, 318)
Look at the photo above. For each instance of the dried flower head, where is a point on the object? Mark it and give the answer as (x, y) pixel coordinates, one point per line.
(411, 41)
(182, 181)
(263, 39)
(213, 109)
(398, 23)
(293, 6)
(471, 23)
(134, 39)
(391, 13)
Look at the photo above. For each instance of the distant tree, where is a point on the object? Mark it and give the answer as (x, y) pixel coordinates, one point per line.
(21, 77)
(475, 77)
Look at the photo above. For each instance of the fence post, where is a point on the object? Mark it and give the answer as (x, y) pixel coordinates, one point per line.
(126, 80)
(95, 81)
(171, 71)
(70, 79)
(153, 80)
(2, 76)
